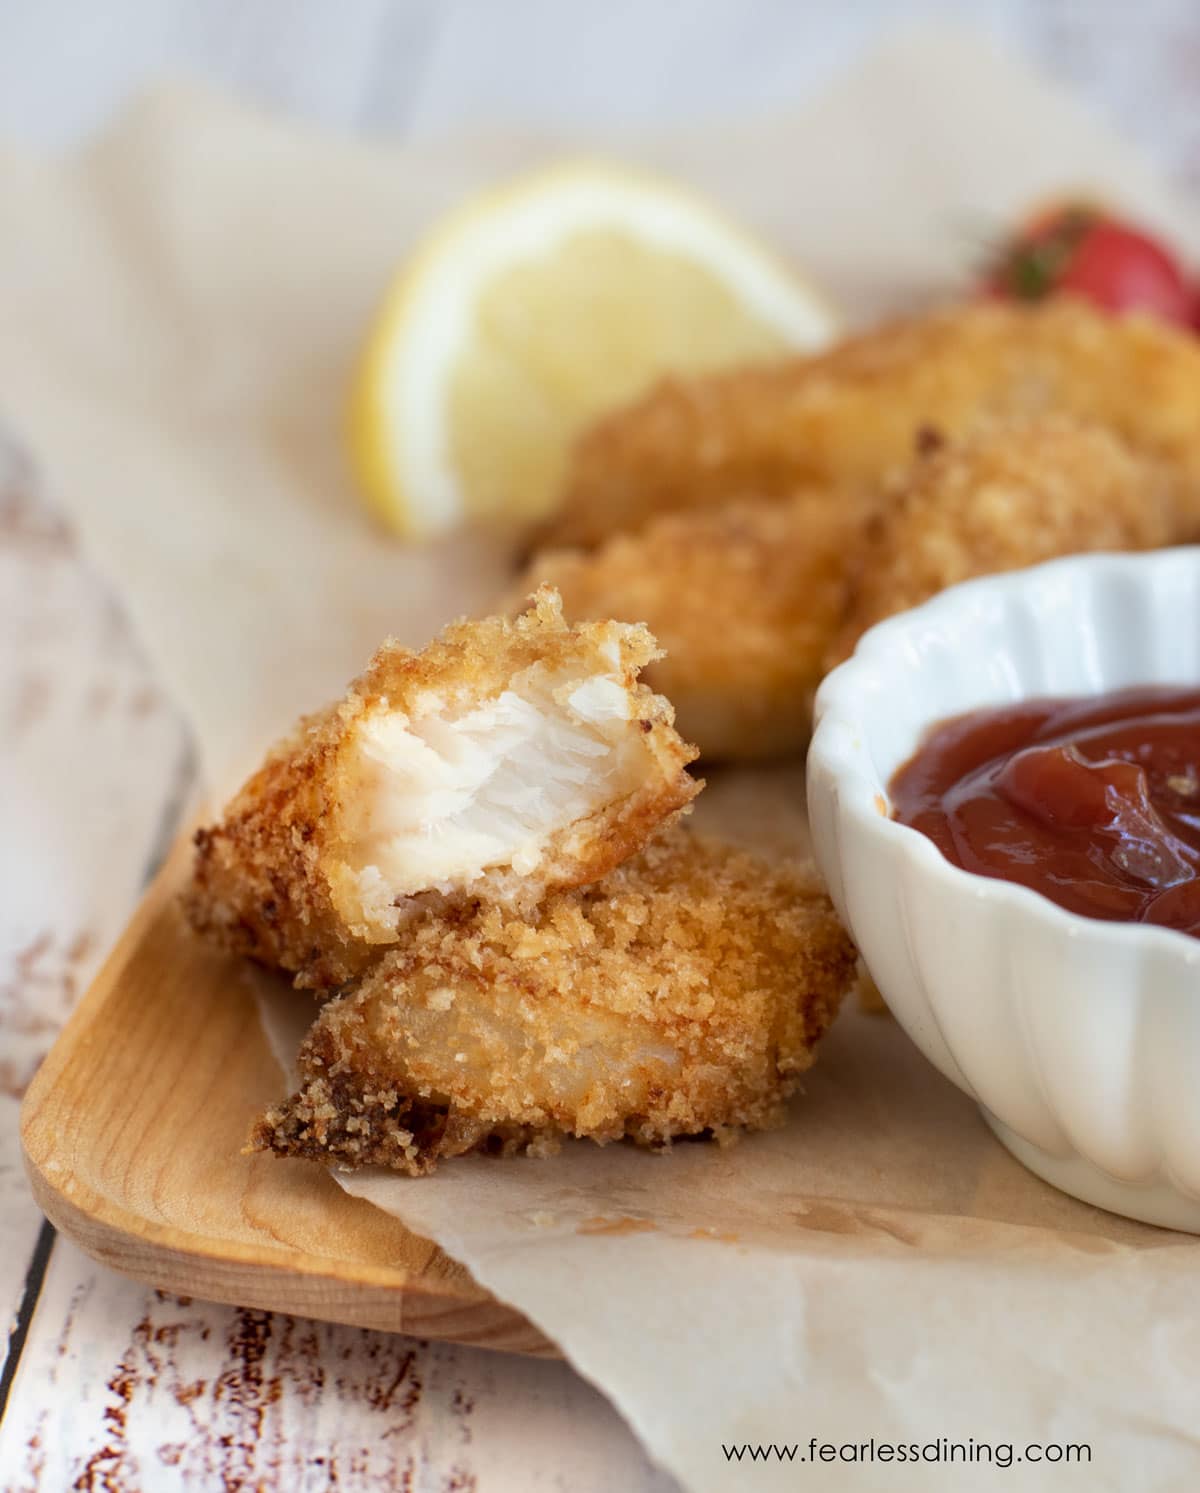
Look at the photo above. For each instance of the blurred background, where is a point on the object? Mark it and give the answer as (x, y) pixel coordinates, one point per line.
(174, 364)
(416, 67)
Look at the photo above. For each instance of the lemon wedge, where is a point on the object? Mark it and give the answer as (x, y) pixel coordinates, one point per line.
(536, 307)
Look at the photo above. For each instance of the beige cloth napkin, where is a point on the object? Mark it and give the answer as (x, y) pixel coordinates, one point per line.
(180, 306)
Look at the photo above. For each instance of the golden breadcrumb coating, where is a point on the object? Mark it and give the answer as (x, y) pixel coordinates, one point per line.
(849, 417)
(1013, 494)
(743, 599)
(754, 601)
(682, 994)
(510, 756)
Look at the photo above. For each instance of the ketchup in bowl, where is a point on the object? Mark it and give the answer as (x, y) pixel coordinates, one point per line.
(1094, 802)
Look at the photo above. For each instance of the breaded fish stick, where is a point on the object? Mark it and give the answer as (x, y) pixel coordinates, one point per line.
(509, 757)
(753, 602)
(682, 994)
(850, 417)
(1012, 495)
(743, 599)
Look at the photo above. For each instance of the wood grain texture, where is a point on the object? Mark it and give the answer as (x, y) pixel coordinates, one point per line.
(133, 1132)
(90, 753)
(124, 1389)
(121, 1388)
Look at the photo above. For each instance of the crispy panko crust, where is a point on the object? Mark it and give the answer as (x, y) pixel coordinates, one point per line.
(1013, 494)
(743, 599)
(849, 417)
(681, 995)
(272, 880)
(755, 601)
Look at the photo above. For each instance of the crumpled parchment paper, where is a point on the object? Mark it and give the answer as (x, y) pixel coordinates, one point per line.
(180, 307)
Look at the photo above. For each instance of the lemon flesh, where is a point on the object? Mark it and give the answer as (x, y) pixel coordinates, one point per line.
(536, 310)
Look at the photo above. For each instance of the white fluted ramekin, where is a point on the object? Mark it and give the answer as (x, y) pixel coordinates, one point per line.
(1079, 1039)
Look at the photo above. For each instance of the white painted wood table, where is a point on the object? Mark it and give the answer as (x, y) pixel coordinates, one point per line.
(110, 1386)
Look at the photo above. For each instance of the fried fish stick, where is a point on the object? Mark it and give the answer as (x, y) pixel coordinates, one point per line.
(682, 994)
(509, 757)
(1012, 495)
(850, 417)
(743, 600)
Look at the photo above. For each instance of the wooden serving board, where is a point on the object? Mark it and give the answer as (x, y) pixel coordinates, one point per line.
(133, 1131)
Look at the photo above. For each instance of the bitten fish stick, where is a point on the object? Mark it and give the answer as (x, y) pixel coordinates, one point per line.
(510, 757)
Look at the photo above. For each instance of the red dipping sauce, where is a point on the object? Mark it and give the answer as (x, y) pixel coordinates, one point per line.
(1093, 802)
